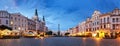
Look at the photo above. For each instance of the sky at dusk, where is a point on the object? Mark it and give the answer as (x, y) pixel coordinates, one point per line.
(67, 13)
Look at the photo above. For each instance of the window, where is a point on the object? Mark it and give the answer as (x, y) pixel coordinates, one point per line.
(101, 26)
(116, 19)
(22, 20)
(6, 21)
(15, 27)
(94, 29)
(22, 25)
(19, 19)
(104, 26)
(97, 28)
(97, 17)
(15, 18)
(113, 26)
(107, 19)
(11, 22)
(104, 20)
(97, 23)
(113, 20)
(1, 14)
(11, 17)
(117, 27)
(119, 19)
(6, 16)
(108, 25)
(0, 21)
(93, 24)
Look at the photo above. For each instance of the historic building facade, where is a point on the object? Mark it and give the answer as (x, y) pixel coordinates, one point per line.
(19, 22)
(107, 22)
(31, 25)
(4, 18)
(111, 21)
(40, 24)
(95, 20)
(82, 26)
(88, 25)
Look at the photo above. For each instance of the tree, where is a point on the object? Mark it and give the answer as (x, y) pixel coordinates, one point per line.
(49, 33)
(55, 34)
(66, 34)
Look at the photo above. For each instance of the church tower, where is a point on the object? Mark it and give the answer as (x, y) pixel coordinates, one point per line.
(43, 20)
(35, 17)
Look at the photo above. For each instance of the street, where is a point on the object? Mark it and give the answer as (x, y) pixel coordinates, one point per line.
(60, 41)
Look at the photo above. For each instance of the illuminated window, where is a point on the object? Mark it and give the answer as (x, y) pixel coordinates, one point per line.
(108, 25)
(19, 28)
(11, 22)
(117, 27)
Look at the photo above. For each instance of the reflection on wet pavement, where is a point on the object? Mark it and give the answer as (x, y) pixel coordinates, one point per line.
(60, 41)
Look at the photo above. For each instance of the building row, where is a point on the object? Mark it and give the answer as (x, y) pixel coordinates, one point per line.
(107, 22)
(19, 22)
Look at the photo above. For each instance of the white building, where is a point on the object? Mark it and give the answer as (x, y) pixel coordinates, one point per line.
(111, 21)
(4, 18)
(82, 27)
(31, 25)
(88, 25)
(18, 22)
(40, 24)
(108, 22)
(95, 20)
(70, 30)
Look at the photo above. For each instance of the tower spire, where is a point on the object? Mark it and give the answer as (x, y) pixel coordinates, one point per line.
(36, 13)
(43, 18)
(36, 18)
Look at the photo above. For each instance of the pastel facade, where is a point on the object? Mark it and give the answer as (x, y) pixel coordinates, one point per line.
(107, 22)
(4, 18)
(40, 24)
(19, 22)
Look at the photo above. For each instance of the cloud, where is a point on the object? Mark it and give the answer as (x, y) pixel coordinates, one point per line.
(6, 7)
(68, 13)
(55, 17)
